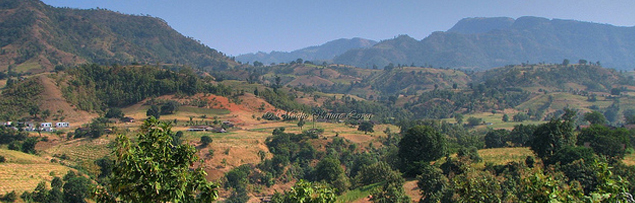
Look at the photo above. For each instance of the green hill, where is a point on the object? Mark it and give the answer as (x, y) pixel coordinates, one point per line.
(35, 37)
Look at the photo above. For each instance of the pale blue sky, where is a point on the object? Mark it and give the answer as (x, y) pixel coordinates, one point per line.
(241, 26)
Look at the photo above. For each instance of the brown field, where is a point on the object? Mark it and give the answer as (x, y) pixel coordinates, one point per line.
(22, 172)
(84, 149)
(630, 159)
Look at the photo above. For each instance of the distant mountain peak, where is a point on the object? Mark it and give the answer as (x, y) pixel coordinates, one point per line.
(481, 25)
(483, 43)
(323, 52)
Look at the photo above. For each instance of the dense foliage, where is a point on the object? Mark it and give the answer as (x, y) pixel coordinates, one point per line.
(155, 169)
(94, 87)
(98, 36)
(18, 97)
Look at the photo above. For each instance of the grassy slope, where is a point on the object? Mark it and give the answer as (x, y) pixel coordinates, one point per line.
(22, 172)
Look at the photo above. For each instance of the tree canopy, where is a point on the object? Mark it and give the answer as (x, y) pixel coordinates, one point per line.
(421, 144)
(155, 170)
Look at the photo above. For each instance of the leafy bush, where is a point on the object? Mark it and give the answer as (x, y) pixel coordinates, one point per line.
(206, 140)
(472, 121)
(10, 197)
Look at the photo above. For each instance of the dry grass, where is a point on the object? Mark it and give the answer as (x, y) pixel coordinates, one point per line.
(504, 155)
(496, 120)
(82, 149)
(22, 172)
(29, 66)
(630, 159)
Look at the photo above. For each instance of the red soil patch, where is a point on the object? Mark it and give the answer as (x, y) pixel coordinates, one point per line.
(222, 103)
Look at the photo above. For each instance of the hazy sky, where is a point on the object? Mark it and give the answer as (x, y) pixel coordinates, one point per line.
(240, 26)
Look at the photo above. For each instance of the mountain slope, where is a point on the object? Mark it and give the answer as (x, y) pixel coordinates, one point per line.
(322, 52)
(483, 43)
(36, 37)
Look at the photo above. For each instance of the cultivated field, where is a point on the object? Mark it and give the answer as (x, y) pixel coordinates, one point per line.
(22, 172)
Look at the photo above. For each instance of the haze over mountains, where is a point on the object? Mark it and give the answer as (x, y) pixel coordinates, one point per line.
(482, 43)
(324, 52)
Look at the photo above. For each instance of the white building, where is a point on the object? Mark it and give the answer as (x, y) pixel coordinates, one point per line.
(62, 125)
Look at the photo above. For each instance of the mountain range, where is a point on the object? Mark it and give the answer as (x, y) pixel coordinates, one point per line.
(483, 43)
(324, 52)
(35, 37)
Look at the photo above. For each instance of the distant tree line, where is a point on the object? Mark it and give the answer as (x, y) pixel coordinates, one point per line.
(94, 87)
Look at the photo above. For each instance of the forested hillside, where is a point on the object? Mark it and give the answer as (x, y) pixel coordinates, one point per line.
(35, 37)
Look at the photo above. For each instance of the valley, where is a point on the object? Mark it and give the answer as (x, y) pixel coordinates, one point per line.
(101, 106)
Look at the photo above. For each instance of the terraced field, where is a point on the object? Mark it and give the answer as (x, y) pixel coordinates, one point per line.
(82, 149)
(22, 172)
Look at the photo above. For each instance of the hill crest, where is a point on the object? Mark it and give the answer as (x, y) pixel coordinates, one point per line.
(324, 52)
(36, 37)
(483, 43)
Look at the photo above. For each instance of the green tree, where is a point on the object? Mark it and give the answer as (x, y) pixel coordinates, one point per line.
(34, 111)
(28, 146)
(97, 127)
(40, 192)
(472, 121)
(55, 194)
(154, 170)
(479, 186)
(154, 111)
(373, 173)
(105, 166)
(521, 116)
(206, 140)
(458, 117)
(77, 189)
(390, 193)
(595, 117)
(496, 138)
(328, 170)
(565, 62)
(114, 113)
(306, 192)
(522, 134)
(433, 184)
(10, 197)
(366, 126)
(420, 144)
(169, 107)
(629, 116)
(551, 137)
(176, 138)
(45, 114)
(607, 142)
(505, 117)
